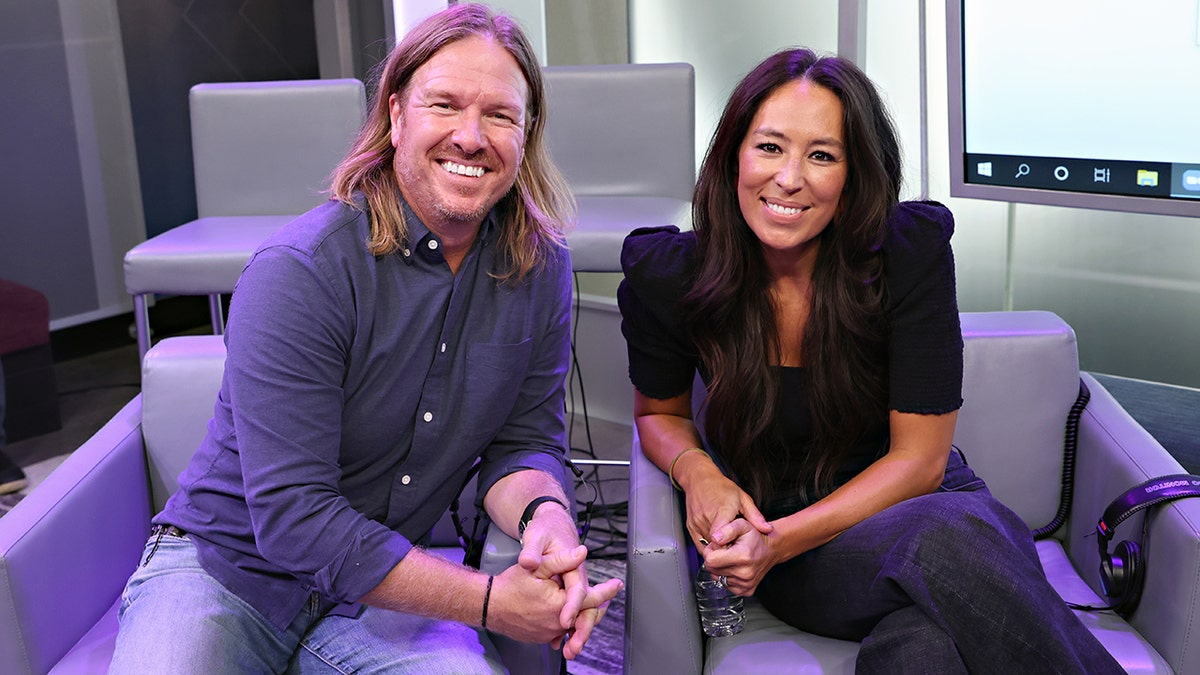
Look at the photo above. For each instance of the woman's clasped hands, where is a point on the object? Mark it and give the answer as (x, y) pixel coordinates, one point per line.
(729, 531)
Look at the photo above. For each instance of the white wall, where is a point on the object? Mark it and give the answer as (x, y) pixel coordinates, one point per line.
(724, 40)
(67, 157)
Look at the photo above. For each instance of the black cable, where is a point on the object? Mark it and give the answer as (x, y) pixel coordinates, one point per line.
(614, 537)
(577, 375)
(1068, 471)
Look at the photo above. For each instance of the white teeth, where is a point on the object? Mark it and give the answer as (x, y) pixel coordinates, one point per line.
(783, 210)
(462, 170)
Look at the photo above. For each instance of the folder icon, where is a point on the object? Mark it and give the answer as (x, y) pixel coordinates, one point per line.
(1147, 178)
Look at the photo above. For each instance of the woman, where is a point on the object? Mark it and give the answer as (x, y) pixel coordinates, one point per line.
(821, 314)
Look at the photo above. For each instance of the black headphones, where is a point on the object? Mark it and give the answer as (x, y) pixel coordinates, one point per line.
(1121, 573)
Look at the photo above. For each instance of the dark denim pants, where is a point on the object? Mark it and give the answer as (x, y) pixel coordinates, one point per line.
(944, 583)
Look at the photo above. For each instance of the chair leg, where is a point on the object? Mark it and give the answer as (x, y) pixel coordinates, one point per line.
(217, 311)
(141, 319)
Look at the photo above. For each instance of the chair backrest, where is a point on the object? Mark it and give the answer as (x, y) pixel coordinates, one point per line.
(1020, 380)
(623, 130)
(268, 148)
(180, 380)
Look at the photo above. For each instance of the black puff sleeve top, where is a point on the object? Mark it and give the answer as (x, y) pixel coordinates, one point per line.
(925, 343)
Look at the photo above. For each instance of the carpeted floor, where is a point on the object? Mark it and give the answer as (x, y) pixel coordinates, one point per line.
(604, 652)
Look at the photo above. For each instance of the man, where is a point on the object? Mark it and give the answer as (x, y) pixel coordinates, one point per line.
(377, 346)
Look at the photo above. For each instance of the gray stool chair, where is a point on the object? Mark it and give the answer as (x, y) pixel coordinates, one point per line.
(262, 152)
(624, 137)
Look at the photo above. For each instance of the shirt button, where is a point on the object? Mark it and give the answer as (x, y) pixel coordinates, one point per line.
(443, 347)
(433, 244)
(428, 417)
(406, 479)
(407, 253)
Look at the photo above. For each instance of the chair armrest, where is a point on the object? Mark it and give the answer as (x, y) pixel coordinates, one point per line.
(1114, 454)
(500, 552)
(68, 548)
(662, 629)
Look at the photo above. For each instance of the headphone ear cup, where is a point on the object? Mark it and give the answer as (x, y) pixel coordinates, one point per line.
(1112, 575)
(1117, 569)
(1130, 554)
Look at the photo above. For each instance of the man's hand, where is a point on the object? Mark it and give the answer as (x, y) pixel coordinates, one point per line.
(551, 550)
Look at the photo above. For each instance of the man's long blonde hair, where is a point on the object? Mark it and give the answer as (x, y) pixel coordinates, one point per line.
(534, 213)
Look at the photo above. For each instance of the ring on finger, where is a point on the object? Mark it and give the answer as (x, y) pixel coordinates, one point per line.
(703, 541)
(722, 580)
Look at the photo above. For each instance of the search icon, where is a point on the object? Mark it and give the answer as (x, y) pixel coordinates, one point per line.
(1022, 170)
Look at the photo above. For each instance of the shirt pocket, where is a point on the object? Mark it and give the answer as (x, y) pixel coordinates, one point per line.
(495, 374)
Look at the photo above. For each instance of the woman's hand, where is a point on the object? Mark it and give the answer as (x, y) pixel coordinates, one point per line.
(742, 553)
(667, 435)
(713, 502)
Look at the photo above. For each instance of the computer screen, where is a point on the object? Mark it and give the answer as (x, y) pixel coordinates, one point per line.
(1083, 103)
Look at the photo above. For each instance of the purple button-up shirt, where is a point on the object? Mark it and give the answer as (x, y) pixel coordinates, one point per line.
(358, 391)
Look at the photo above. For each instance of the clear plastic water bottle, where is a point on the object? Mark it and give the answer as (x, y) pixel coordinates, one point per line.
(721, 612)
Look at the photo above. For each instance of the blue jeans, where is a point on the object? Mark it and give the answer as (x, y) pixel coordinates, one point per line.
(175, 618)
(949, 582)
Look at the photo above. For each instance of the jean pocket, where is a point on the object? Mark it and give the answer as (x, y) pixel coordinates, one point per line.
(960, 477)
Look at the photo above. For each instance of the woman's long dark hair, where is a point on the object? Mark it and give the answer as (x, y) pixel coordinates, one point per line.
(729, 312)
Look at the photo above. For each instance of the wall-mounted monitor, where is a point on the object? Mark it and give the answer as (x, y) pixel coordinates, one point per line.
(1085, 103)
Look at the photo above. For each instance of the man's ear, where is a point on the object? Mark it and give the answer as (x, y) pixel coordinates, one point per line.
(396, 115)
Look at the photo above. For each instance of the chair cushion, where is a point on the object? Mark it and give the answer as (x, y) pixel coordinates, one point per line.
(201, 257)
(768, 646)
(93, 653)
(595, 241)
(1134, 653)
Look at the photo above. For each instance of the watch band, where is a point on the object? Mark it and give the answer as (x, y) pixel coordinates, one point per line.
(527, 515)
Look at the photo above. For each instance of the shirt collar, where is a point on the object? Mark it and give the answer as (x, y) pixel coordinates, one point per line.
(419, 235)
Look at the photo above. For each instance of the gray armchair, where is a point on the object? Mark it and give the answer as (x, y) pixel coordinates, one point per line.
(67, 549)
(1021, 379)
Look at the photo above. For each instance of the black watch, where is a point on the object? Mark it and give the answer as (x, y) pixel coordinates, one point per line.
(527, 515)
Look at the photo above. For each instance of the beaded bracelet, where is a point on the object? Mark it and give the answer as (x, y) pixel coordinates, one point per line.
(671, 469)
(487, 595)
